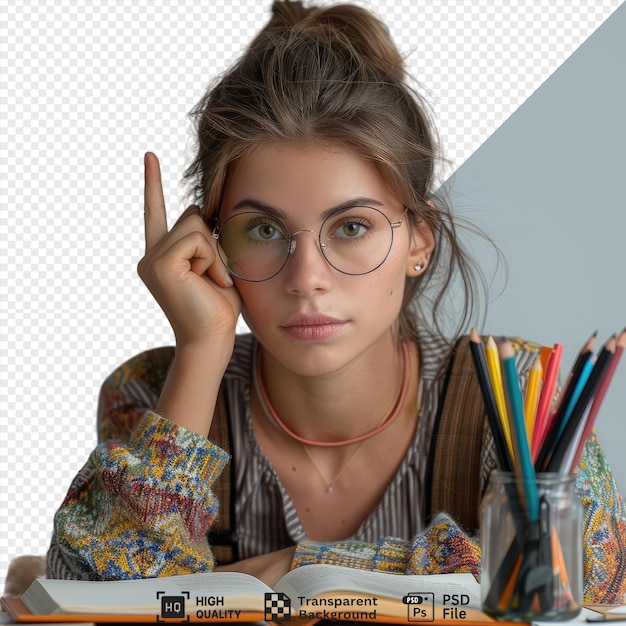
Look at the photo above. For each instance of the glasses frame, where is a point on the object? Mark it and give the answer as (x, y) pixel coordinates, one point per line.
(291, 245)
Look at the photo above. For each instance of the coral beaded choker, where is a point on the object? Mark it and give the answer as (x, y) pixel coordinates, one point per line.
(385, 422)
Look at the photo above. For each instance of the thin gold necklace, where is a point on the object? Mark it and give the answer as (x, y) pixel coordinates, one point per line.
(329, 483)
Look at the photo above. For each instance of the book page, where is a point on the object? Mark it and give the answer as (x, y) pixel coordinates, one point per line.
(313, 580)
(223, 589)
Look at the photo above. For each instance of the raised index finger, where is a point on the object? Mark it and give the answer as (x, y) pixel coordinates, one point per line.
(154, 204)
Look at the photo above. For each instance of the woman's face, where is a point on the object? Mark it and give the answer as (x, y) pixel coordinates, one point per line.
(310, 317)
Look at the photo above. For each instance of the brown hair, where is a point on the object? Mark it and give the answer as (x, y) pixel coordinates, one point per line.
(334, 74)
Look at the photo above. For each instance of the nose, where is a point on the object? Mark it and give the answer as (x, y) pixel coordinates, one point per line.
(307, 270)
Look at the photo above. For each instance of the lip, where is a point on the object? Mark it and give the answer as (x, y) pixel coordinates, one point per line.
(312, 327)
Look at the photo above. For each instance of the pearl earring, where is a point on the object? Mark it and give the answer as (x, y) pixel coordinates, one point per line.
(419, 266)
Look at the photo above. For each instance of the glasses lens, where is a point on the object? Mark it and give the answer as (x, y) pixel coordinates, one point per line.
(253, 246)
(357, 240)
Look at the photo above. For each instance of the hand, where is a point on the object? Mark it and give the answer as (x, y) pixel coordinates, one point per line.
(183, 271)
(269, 568)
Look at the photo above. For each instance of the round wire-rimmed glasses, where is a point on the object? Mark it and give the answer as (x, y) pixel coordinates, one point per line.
(255, 246)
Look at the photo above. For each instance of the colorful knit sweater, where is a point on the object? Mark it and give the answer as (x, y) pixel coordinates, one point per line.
(142, 505)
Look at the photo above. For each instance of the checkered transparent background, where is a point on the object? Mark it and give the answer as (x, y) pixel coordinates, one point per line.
(87, 88)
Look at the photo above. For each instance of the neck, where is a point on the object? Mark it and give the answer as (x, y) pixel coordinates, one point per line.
(350, 403)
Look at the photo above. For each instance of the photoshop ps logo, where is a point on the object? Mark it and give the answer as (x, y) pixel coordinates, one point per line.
(172, 607)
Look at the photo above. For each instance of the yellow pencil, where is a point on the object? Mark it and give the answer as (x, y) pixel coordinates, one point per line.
(531, 399)
(495, 373)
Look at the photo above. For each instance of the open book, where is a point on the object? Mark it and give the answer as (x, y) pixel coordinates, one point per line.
(306, 595)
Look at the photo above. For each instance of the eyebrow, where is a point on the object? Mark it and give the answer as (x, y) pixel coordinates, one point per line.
(252, 203)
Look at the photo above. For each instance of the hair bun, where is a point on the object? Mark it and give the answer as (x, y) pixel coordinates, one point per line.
(288, 13)
(368, 36)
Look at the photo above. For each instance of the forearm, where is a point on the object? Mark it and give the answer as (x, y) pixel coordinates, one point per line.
(192, 385)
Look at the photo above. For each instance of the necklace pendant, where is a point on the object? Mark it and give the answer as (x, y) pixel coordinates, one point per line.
(329, 489)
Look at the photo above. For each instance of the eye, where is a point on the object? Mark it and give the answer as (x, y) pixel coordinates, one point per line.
(261, 230)
(350, 228)
(264, 231)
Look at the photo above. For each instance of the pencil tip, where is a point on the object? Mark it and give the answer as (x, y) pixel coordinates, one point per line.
(506, 349)
(474, 336)
(590, 342)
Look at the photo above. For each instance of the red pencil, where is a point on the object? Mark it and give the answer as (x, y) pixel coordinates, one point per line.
(550, 418)
(545, 399)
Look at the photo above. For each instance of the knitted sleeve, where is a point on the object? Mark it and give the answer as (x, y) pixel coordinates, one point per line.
(129, 391)
(604, 527)
(141, 509)
(142, 504)
(442, 548)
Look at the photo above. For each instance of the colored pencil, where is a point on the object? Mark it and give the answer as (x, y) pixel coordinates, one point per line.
(546, 397)
(599, 397)
(570, 455)
(518, 431)
(480, 364)
(531, 399)
(585, 372)
(578, 384)
(495, 373)
(556, 419)
(554, 461)
(544, 356)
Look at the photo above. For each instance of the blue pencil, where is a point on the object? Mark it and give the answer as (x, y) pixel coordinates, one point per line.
(518, 432)
(585, 372)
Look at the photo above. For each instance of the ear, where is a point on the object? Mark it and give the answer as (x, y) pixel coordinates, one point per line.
(422, 247)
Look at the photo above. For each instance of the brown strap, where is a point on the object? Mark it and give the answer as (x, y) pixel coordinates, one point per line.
(222, 537)
(457, 442)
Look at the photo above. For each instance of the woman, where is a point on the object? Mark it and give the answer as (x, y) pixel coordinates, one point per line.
(319, 224)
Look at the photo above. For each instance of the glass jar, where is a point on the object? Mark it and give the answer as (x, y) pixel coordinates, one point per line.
(532, 563)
